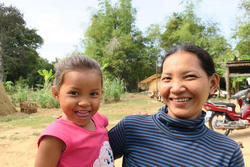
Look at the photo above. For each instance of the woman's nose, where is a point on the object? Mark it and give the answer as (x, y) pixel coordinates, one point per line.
(177, 87)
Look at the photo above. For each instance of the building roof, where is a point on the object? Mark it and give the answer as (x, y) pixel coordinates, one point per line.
(239, 68)
(149, 79)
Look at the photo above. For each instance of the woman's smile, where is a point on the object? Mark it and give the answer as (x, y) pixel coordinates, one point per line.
(185, 85)
(180, 99)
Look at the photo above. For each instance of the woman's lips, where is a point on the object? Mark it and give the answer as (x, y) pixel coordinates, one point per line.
(186, 99)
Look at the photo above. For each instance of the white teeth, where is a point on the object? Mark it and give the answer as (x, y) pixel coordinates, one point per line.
(181, 100)
(83, 111)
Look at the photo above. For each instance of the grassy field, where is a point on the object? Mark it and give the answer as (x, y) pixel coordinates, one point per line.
(19, 132)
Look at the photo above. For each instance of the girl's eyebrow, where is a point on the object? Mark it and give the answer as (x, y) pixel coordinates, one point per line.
(97, 89)
(73, 87)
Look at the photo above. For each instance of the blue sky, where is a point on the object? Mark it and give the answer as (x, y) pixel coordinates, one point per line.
(62, 23)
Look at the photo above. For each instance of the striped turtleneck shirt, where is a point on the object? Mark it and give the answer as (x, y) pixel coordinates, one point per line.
(159, 140)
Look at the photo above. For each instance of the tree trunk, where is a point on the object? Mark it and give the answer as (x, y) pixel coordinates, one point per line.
(1, 64)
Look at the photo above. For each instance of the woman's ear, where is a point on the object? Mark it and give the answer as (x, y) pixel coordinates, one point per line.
(214, 83)
(55, 92)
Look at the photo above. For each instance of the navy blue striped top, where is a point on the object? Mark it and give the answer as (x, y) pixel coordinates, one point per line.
(159, 140)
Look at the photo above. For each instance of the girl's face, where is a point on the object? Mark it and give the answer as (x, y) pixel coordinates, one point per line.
(79, 95)
(185, 86)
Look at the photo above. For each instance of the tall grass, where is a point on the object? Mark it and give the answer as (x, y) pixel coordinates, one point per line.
(113, 89)
(45, 99)
(19, 93)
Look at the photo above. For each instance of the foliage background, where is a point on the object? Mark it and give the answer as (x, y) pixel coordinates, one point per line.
(124, 51)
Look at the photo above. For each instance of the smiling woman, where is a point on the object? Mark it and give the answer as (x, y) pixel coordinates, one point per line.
(177, 135)
(186, 83)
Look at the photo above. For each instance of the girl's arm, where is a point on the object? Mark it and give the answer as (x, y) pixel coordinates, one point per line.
(49, 152)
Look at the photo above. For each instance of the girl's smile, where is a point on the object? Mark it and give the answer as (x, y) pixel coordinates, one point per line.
(83, 114)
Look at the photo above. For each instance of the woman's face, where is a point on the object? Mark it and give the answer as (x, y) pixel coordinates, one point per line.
(185, 86)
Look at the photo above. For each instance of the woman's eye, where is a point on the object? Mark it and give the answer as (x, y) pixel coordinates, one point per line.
(191, 76)
(166, 79)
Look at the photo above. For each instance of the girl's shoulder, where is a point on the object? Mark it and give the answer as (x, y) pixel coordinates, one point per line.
(99, 118)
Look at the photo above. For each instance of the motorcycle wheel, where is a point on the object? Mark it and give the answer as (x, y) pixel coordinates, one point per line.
(215, 118)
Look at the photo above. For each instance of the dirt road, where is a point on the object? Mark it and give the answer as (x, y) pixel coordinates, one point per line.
(243, 136)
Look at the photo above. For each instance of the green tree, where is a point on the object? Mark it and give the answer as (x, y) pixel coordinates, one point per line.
(242, 32)
(187, 27)
(113, 40)
(18, 46)
(153, 36)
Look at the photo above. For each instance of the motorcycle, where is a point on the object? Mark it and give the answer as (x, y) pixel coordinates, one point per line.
(223, 118)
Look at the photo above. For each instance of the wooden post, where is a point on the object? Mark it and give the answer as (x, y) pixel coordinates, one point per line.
(227, 82)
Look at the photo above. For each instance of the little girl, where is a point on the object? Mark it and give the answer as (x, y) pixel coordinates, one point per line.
(78, 138)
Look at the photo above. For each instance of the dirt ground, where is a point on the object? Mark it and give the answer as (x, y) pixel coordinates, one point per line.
(18, 147)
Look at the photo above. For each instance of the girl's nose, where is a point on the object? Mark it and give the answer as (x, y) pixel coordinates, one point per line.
(83, 102)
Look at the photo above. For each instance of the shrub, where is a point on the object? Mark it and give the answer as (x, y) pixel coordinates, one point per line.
(113, 89)
(19, 93)
(9, 86)
(45, 99)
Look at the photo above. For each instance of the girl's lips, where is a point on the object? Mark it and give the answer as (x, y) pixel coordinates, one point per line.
(83, 115)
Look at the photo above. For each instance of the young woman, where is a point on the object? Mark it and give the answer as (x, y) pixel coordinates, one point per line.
(176, 134)
(79, 138)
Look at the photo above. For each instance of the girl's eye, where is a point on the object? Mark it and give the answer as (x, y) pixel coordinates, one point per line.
(94, 93)
(74, 93)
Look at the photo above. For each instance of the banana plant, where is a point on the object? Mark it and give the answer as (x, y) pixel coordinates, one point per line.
(47, 76)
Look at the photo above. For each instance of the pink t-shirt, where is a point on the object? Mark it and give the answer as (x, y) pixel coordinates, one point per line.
(84, 148)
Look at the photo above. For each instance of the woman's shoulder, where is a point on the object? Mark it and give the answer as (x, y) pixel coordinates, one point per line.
(137, 119)
(221, 140)
(141, 116)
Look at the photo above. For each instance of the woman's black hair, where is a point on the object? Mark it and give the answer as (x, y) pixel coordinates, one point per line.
(206, 60)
